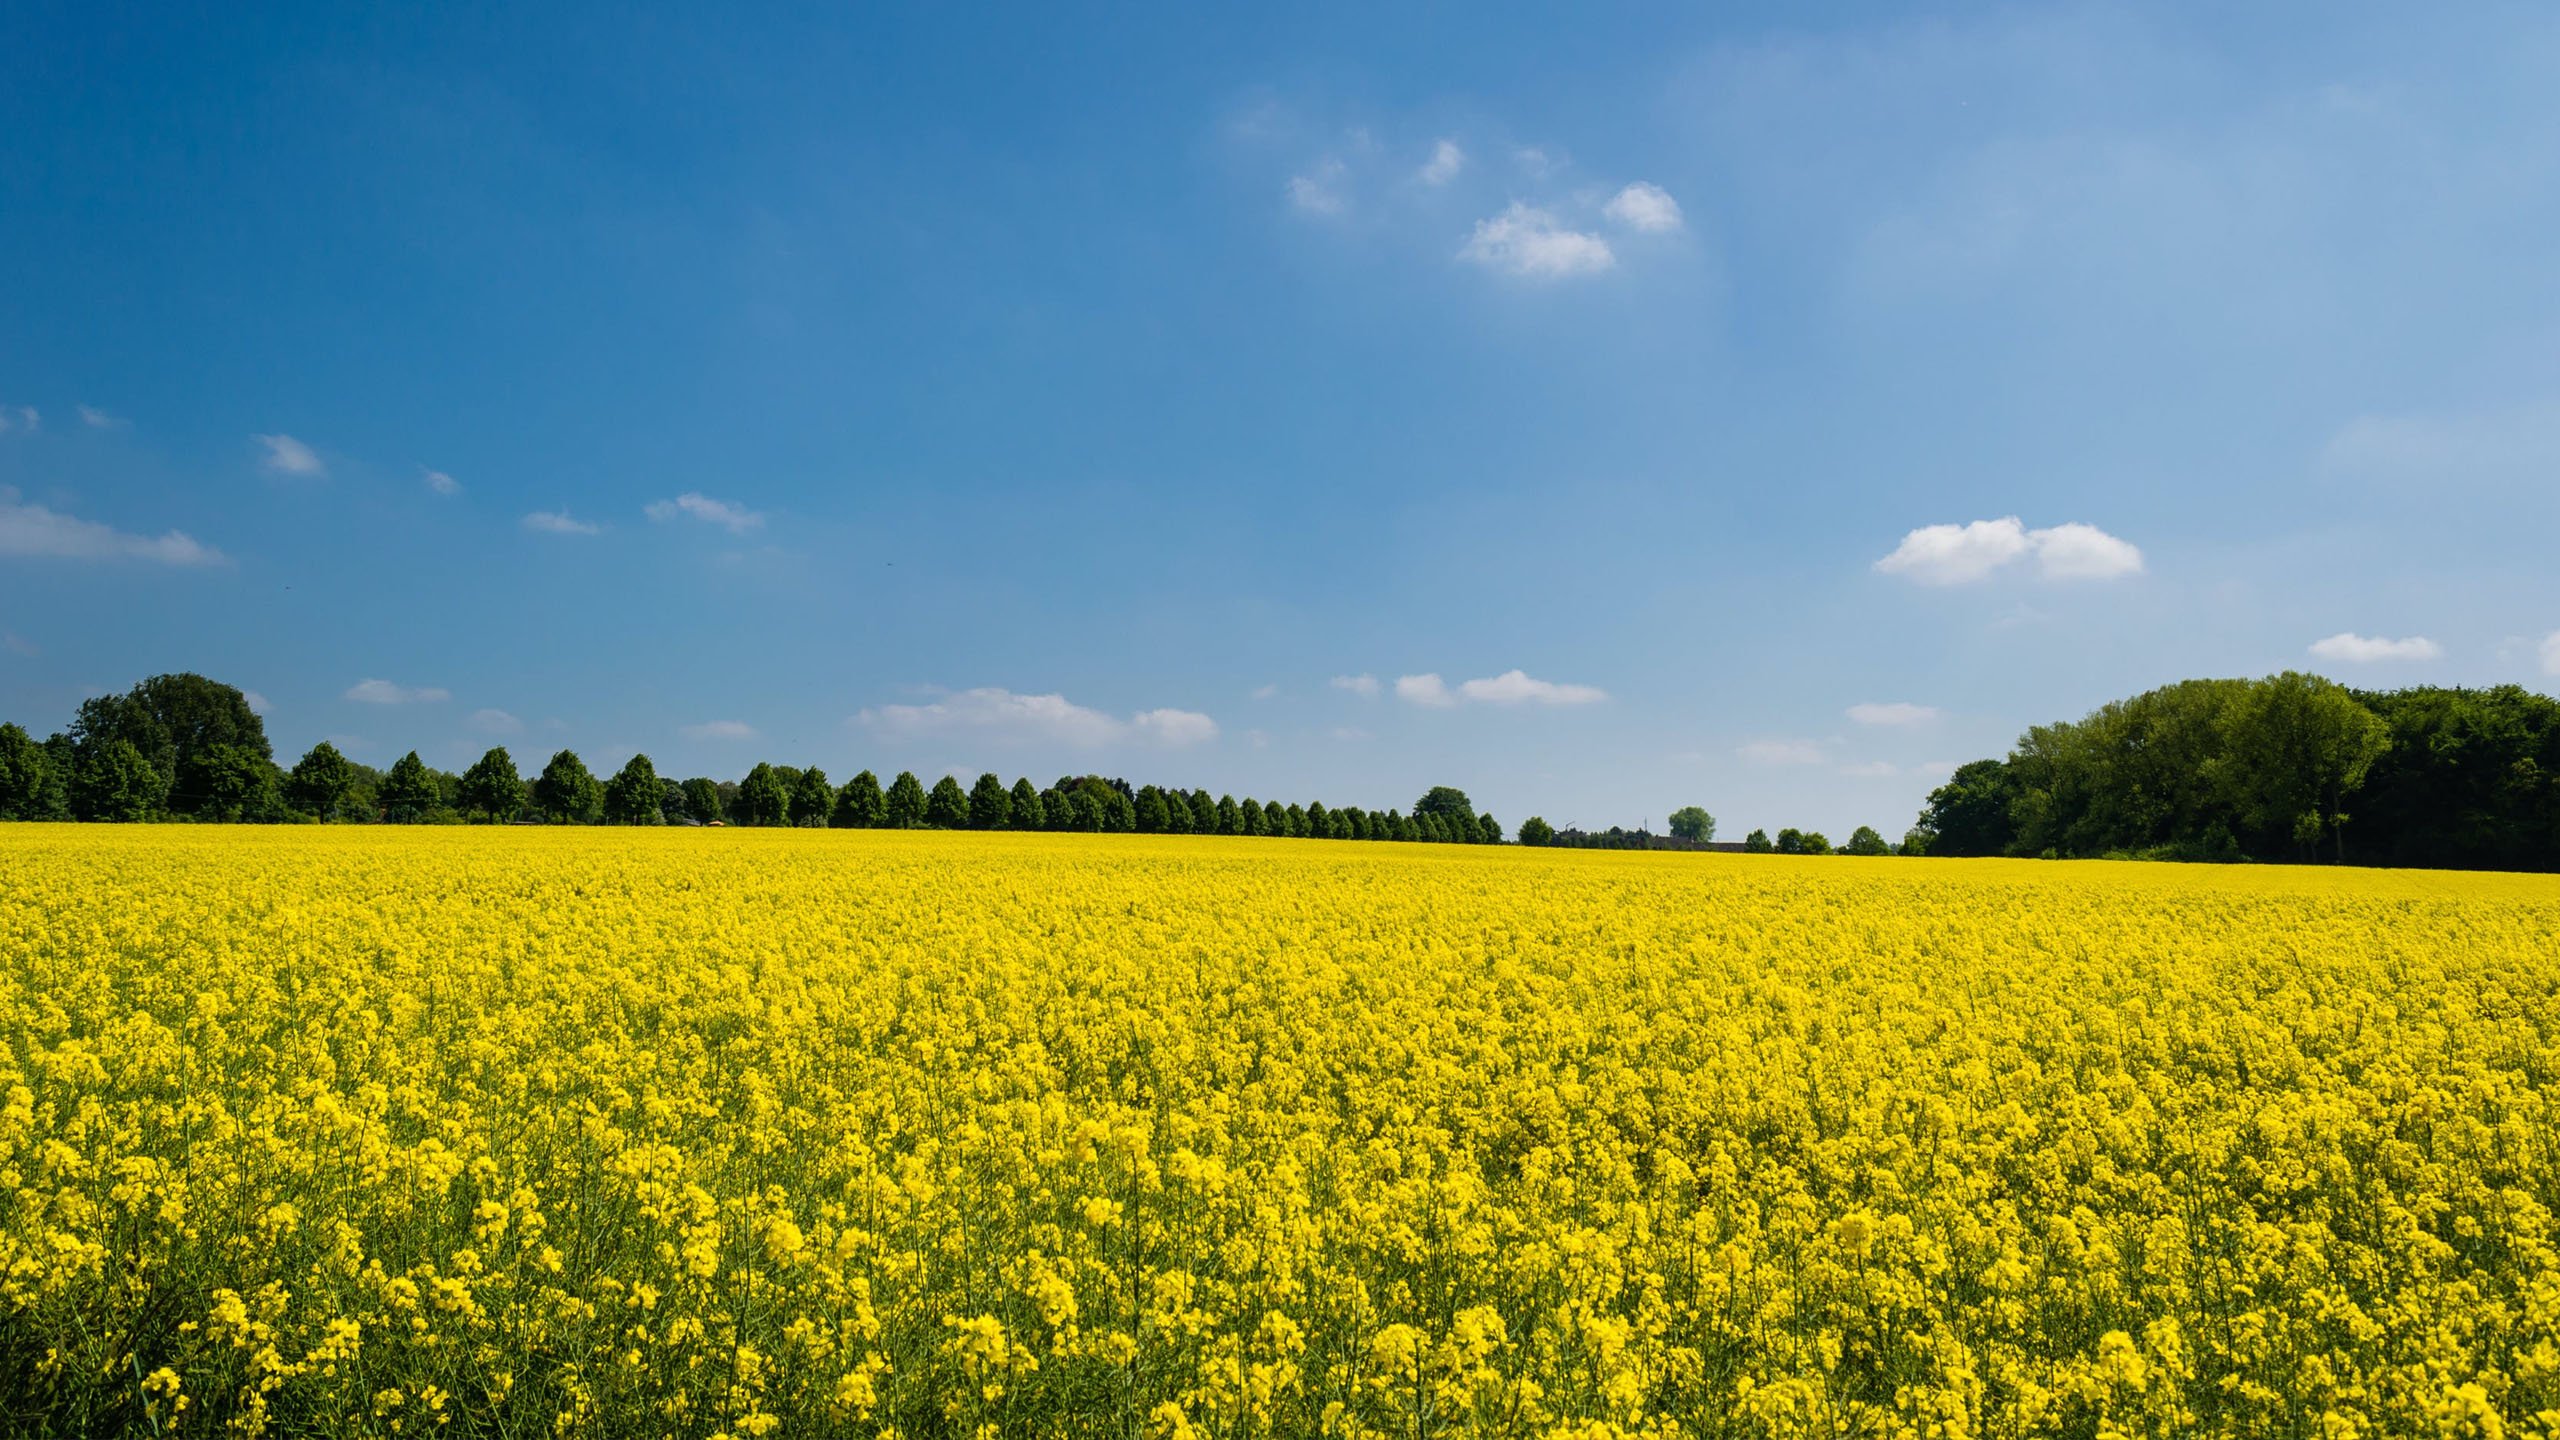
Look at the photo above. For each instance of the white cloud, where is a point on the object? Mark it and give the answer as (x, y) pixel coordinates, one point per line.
(1443, 166)
(1364, 686)
(1514, 687)
(383, 692)
(1348, 734)
(557, 522)
(1962, 554)
(20, 417)
(97, 419)
(736, 519)
(2083, 552)
(1644, 207)
(2551, 653)
(1782, 752)
(494, 722)
(1535, 162)
(257, 703)
(718, 730)
(2353, 649)
(1175, 727)
(1934, 769)
(440, 482)
(1000, 714)
(35, 531)
(1870, 769)
(1898, 712)
(1265, 692)
(1424, 690)
(1525, 240)
(288, 456)
(1319, 192)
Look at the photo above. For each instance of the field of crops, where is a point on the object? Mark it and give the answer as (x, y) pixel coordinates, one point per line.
(590, 1132)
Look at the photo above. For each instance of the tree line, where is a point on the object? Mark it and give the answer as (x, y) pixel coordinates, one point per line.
(186, 747)
(2287, 768)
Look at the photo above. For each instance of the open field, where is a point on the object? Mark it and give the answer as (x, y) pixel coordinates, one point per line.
(348, 1131)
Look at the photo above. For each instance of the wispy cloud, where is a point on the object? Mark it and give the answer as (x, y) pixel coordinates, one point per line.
(1782, 752)
(558, 522)
(1897, 712)
(1870, 769)
(1319, 190)
(1001, 715)
(494, 722)
(37, 532)
(20, 417)
(1265, 692)
(384, 692)
(1528, 241)
(1511, 687)
(1962, 554)
(2551, 653)
(1443, 166)
(2349, 648)
(1364, 686)
(734, 518)
(97, 419)
(257, 703)
(440, 482)
(1645, 207)
(288, 456)
(17, 644)
(718, 730)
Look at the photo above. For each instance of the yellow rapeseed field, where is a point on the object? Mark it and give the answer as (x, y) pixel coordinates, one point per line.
(589, 1132)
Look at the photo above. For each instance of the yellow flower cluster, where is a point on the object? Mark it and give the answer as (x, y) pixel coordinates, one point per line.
(590, 1132)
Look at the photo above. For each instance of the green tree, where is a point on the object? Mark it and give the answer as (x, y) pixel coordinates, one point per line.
(1319, 821)
(1057, 809)
(1692, 822)
(1026, 812)
(115, 781)
(2470, 780)
(631, 796)
(25, 775)
(491, 788)
(566, 793)
(1536, 831)
(1865, 841)
(1154, 816)
(813, 800)
(175, 721)
(323, 783)
(2301, 746)
(1449, 805)
(906, 809)
(238, 783)
(1230, 816)
(860, 805)
(1178, 819)
(408, 794)
(675, 807)
(947, 807)
(1252, 819)
(764, 797)
(1969, 814)
(702, 800)
(990, 804)
(1488, 830)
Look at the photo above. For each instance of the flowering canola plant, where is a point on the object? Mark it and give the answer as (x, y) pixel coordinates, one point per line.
(593, 1132)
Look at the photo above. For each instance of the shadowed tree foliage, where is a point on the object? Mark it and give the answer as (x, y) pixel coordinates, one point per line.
(764, 798)
(990, 804)
(408, 794)
(946, 807)
(113, 780)
(175, 722)
(26, 775)
(860, 805)
(813, 800)
(1025, 812)
(1449, 805)
(631, 796)
(1536, 831)
(323, 783)
(702, 800)
(906, 808)
(1865, 841)
(491, 788)
(566, 792)
(1692, 822)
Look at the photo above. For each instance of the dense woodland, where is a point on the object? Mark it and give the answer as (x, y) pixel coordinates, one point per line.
(182, 747)
(2289, 768)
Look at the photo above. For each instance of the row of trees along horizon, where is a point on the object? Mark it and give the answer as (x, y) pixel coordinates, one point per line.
(186, 747)
(2292, 767)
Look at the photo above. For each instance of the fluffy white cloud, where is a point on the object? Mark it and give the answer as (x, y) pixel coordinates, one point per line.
(1443, 166)
(1175, 727)
(1428, 690)
(1525, 240)
(383, 692)
(2551, 653)
(288, 456)
(1645, 207)
(20, 417)
(1898, 712)
(736, 519)
(1962, 554)
(1000, 714)
(2353, 649)
(494, 722)
(1514, 687)
(440, 482)
(558, 522)
(718, 730)
(35, 531)
(97, 419)
(1364, 686)
(1782, 752)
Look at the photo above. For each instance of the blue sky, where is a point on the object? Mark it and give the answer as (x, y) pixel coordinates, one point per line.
(1599, 408)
